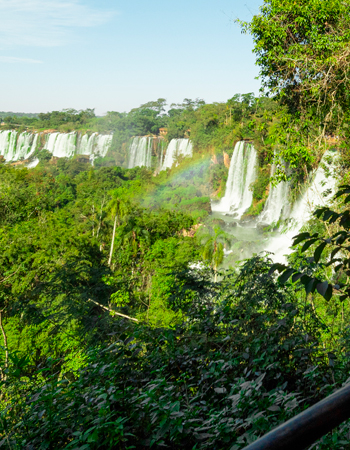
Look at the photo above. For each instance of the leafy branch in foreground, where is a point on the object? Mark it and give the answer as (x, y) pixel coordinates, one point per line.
(339, 259)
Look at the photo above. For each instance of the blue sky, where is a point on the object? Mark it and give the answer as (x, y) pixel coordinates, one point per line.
(114, 55)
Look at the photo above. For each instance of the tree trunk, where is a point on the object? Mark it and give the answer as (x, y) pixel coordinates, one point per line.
(3, 375)
(215, 274)
(93, 222)
(112, 243)
(100, 221)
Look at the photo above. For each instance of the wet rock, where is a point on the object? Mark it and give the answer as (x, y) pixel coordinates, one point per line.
(231, 225)
(261, 226)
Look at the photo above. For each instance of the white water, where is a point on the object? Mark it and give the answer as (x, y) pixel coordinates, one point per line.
(86, 144)
(238, 196)
(318, 193)
(8, 141)
(61, 145)
(14, 146)
(176, 148)
(140, 152)
(276, 203)
(33, 163)
(102, 144)
(34, 145)
(95, 144)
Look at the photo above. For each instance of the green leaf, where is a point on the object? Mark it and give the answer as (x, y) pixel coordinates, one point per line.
(327, 214)
(318, 251)
(334, 218)
(318, 213)
(340, 240)
(339, 233)
(308, 244)
(311, 285)
(342, 192)
(329, 293)
(277, 266)
(334, 252)
(284, 277)
(297, 277)
(322, 288)
(300, 237)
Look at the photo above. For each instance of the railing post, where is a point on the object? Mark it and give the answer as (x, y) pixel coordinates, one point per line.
(309, 426)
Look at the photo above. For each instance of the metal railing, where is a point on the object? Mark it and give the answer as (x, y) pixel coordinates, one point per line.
(309, 426)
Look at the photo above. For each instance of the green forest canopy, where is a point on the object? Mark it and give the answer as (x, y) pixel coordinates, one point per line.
(112, 336)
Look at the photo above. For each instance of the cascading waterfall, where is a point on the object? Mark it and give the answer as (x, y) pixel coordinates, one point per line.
(33, 163)
(320, 190)
(87, 143)
(276, 203)
(94, 145)
(24, 144)
(318, 193)
(34, 145)
(103, 144)
(242, 172)
(14, 146)
(176, 148)
(140, 152)
(161, 150)
(62, 145)
(8, 140)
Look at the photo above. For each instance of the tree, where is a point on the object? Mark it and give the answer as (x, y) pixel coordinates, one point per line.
(158, 105)
(213, 241)
(119, 207)
(303, 50)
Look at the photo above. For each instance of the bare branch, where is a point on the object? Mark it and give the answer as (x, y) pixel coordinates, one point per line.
(112, 311)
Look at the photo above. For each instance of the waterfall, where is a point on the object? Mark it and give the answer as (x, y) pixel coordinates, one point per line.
(24, 144)
(33, 163)
(176, 148)
(86, 144)
(321, 188)
(50, 142)
(8, 141)
(14, 147)
(62, 145)
(238, 196)
(82, 144)
(90, 145)
(161, 154)
(66, 145)
(34, 145)
(140, 152)
(276, 201)
(103, 144)
(318, 193)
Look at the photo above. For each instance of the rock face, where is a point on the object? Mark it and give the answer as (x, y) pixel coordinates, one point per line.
(214, 159)
(192, 231)
(227, 160)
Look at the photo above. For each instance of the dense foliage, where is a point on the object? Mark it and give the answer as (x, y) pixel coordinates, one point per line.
(247, 357)
(111, 340)
(302, 49)
(119, 327)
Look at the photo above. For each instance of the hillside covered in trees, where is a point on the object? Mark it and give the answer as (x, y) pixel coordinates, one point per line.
(130, 313)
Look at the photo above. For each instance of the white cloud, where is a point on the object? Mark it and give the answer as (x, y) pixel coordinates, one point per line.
(45, 23)
(13, 59)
